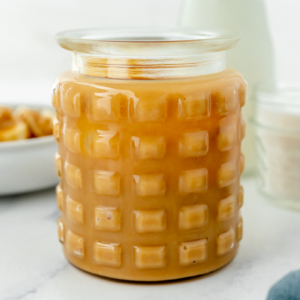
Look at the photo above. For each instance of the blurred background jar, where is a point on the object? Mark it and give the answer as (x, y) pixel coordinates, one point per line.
(277, 141)
(253, 56)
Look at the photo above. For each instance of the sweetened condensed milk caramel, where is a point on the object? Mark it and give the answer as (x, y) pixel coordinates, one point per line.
(150, 165)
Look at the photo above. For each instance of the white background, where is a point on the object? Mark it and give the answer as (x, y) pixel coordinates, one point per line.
(30, 59)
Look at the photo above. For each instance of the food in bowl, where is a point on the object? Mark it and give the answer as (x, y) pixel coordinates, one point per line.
(24, 123)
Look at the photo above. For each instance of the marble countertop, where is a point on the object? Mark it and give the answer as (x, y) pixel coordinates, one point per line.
(32, 265)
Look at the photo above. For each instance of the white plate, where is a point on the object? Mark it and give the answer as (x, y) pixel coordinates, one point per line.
(27, 165)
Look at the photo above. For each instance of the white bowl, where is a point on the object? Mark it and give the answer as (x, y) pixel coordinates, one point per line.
(27, 165)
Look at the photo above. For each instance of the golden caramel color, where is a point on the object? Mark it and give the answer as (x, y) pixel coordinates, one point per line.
(150, 173)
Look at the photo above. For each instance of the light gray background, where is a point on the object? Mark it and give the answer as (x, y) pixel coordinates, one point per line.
(30, 59)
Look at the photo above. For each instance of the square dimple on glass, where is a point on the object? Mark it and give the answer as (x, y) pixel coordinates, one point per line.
(225, 242)
(107, 183)
(58, 165)
(73, 176)
(227, 137)
(150, 257)
(241, 196)
(105, 105)
(72, 139)
(193, 181)
(75, 244)
(226, 209)
(107, 219)
(243, 94)
(227, 100)
(194, 107)
(74, 210)
(193, 216)
(61, 230)
(193, 144)
(193, 252)
(146, 110)
(242, 129)
(149, 185)
(55, 99)
(148, 147)
(108, 254)
(242, 163)
(60, 198)
(105, 144)
(149, 221)
(56, 130)
(239, 230)
(227, 174)
(71, 101)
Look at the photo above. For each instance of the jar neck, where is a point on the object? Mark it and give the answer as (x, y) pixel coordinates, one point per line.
(148, 68)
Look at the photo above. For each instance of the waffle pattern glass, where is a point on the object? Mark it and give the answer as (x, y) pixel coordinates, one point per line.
(150, 173)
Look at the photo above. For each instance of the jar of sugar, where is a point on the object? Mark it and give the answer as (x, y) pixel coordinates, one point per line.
(277, 143)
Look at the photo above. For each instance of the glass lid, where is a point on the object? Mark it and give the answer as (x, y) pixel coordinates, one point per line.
(153, 42)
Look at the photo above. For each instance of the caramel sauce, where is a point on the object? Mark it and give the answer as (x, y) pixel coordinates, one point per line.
(150, 174)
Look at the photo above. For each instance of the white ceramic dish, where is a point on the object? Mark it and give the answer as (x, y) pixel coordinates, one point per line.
(27, 165)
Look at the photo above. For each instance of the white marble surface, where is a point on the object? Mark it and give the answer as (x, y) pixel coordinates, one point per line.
(32, 265)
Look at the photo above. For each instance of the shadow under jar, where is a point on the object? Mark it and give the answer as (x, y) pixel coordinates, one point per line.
(149, 132)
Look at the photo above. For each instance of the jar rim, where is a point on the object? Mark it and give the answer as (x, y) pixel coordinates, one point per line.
(147, 42)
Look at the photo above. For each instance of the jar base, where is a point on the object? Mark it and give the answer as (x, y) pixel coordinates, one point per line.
(150, 275)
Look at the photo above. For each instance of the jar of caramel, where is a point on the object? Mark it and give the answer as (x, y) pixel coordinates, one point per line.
(149, 132)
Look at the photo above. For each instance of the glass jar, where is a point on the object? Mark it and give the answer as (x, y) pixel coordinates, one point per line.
(149, 131)
(277, 132)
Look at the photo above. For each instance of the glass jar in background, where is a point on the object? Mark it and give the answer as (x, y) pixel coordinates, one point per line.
(253, 56)
(277, 133)
(149, 130)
